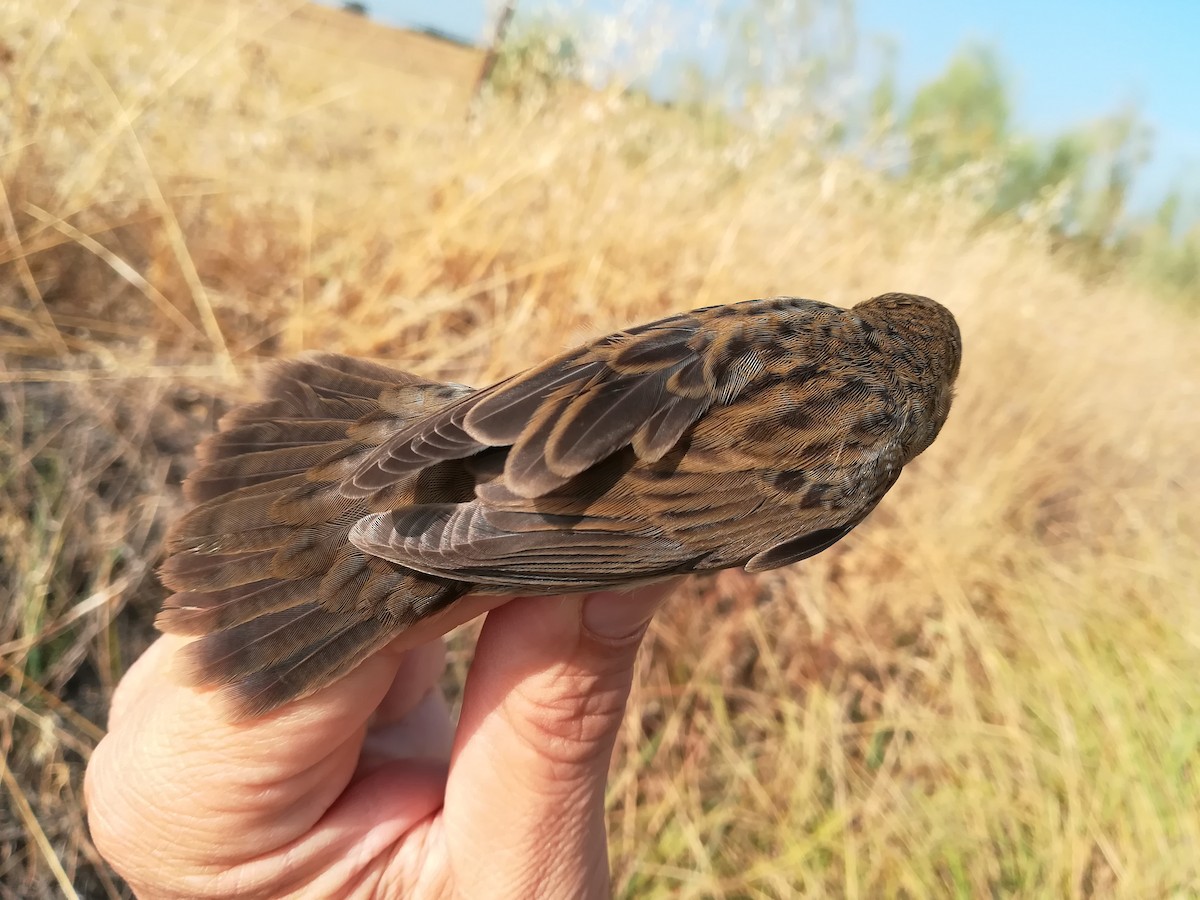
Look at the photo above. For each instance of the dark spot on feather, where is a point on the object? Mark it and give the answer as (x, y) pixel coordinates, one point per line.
(788, 481)
(486, 465)
(818, 493)
(666, 466)
(650, 352)
(788, 327)
(724, 312)
(844, 393)
(597, 480)
(805, 372)
(761, 431)
(796, 417)
(447, 482)
(732, 349)
(878, 422)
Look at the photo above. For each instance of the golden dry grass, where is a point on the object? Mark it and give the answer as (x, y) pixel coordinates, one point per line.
(989, 689)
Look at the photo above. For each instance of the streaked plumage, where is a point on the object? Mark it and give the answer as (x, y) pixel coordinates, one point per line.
(356, 500)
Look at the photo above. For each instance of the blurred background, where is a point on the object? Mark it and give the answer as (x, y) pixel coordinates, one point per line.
(989, 689)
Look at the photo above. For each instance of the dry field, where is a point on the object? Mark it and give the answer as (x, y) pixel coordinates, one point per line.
(992, 688)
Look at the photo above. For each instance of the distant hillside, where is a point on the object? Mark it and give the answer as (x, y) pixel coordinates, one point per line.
(358, 40)
(429, 54)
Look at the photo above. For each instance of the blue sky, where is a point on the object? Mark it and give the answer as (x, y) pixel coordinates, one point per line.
(1067, 62)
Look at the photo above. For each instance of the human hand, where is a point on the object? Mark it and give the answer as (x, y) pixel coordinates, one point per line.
(366, 788)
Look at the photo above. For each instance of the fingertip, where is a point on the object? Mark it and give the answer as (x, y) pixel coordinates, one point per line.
(623, 615)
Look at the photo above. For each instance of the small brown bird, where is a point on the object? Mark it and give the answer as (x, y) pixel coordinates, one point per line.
(357, 500)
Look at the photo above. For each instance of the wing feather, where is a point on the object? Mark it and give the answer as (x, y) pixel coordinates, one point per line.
(796, 549)
(644, 388)
(526, 549)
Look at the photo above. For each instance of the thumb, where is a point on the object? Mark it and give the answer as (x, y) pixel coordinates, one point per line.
(544, 700)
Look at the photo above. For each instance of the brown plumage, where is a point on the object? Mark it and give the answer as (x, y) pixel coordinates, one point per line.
(356, 499)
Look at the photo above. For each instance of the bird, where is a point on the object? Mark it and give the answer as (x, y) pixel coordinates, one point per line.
(354, 500)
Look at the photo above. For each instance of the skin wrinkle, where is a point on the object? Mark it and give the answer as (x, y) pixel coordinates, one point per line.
(186, 877)
(262, 793)
(548, 810)
(558, 835)
(587, 691)
(219, 759)
(544, 882)
(425, 840)
(358, 864)
(353, 854)
(211, 876)
(567, 729)
(420, 843)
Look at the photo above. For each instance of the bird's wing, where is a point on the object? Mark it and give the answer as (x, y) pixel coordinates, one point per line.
(643, 388)
(537, 552)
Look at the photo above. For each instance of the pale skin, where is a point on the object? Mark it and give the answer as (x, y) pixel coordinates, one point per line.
(367, 788)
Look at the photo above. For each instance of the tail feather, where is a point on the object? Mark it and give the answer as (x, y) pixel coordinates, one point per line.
(262, 568)
(331, 653)
(215, 571)
(212, 524)
(309, 552)
(211, 611)
(299, 404)
(274, 638)
(256, 467)
(270, 434)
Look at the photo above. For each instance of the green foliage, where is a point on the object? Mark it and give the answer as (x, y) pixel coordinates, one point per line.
(354, 6)
(1032, 171)
(536, 58)
(1168, 256)
(1075, 185)
(959, 117)
(796, 69)
(783, 64)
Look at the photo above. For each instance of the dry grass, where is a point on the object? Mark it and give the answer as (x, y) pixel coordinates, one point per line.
(989, 689)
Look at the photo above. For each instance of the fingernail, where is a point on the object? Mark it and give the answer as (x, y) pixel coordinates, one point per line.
(613, 615)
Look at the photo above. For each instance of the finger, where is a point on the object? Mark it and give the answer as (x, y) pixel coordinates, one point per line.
(418, 674)
(413, 720)
(174, 777)
(543, 704)
(426, 733)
